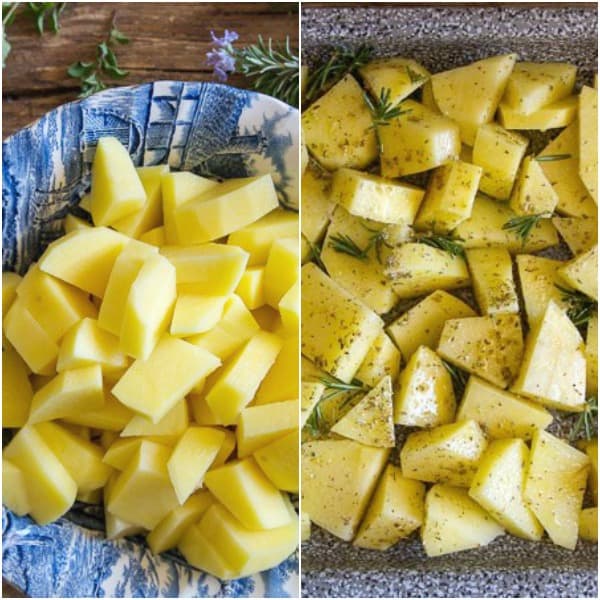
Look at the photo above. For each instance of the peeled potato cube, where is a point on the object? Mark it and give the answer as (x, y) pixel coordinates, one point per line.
(588, 139)
(579, 233)
(279, 461)
(588, 524)
(14, 489)
(84, 258)
(115, 526)
(70, 392)
(281, 382)
(305, 526)
(581, 273)
(81, 458)
(116, 187)
(251, 287)
(454, 522)
(121, 452)
(532, 193)
(169, 532)
(383, 358)
(224, 209)
(226, 449)
(247, 492)
(281, 270)
(257, 238)
(16, 389)
(30, 340)
(196, 314)
(143, 494)
(257, 426)
(289, 310)
(50, 489)
(148, 308)
(395, 511)
(170, 427)
(154, 237)
(198, 548)
(10, 282)
(112, 416)
(235, 385)
(446, 454)
(192, 456)
(153, 386)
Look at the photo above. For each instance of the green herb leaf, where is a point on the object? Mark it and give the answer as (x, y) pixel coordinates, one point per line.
(459, 378)
(118, 36)
(315, 252)
(335, 386)
(346, 245)
(522, 225)
(552, 157)
(449, 244)
(342, 62)
(80, 70)
(44, 10)
(414, 76)
(586, 424)
(581, 308)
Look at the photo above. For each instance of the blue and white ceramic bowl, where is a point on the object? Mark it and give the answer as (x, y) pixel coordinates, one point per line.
(212, 130)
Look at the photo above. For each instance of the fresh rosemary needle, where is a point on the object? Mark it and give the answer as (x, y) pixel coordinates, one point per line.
(344, 244)
(335, 387)
(451, 245)
(522, 225)
(315, 253)
(586, 421)
(552, 157)
(581, 308)
(459, 377)
(414, 76)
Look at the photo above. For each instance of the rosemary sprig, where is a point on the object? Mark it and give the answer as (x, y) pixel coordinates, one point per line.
(90, 74)
(346, 245)
(522, 225)
(377, 240)
(315, 422)
(341, 62)
(315, 253)
(581, 308)
(275, 70)
(459, 377)
(449, 244)
(587, 421)
(382, 112)
(335, 387)
(414, 76)
(552, 157)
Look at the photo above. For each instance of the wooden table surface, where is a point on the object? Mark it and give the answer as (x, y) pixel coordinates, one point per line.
(168, 41)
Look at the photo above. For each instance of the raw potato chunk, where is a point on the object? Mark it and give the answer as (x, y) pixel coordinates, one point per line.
(363, 278)
(499, 152)
(176, 190)
(235, 385)
(117, 191)
(539, 278)
(69, 393)
(401, 76)
(16, 389)
(151, 214)
(81, 458)
(416, 269)
(122, 276)
(191, 458)
(281, 382)
(422, 324)
(154, 237)
(444, 454)
(115, 526)
(591, 356)
(424, 396)
(10, 282)
(338, 478)
(382, 359)
(337, 329)
(485, 229)
(470, 95)
(582, 273)
(396, 510)
(588, 139)
(279, 461)
(532, 193)
(120, 453)
(311, 389)
(417, 140)
(340, 138)
(304, 526)
(498, 487)
(251, 288)
(86, 344)
(580, 234)
(55, 305)
(555, 484)
(490, 346)
(449, 198)
(224, 547)
(553, 116)
(256, 239)
(316, 207)
(376, 198)
(258, 426)
(500, 413)
(148, 308)
(493, 283)
(371, 422)
(281, 270)
(14, 489)
(153, 386)
(289, 310)
(553, 368)
(247, 493)
(588, 524)
(50, 489)
(574, 199)
(454, 522)
(113, 416)
(225, 208)
(168, 533)
(532, 86)
(195, 314)
(170, 427)
(84, 258)
(143, 494)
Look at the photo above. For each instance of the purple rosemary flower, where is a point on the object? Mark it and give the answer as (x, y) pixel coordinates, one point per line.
(222, 58)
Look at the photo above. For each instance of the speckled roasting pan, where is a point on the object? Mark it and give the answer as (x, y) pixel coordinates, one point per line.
(442, 37)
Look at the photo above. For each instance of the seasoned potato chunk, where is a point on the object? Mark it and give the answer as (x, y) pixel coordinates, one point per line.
(580, 234)
(582, 273)
(532, 193)
(588, 139)
(383, 358)
(552, 116)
